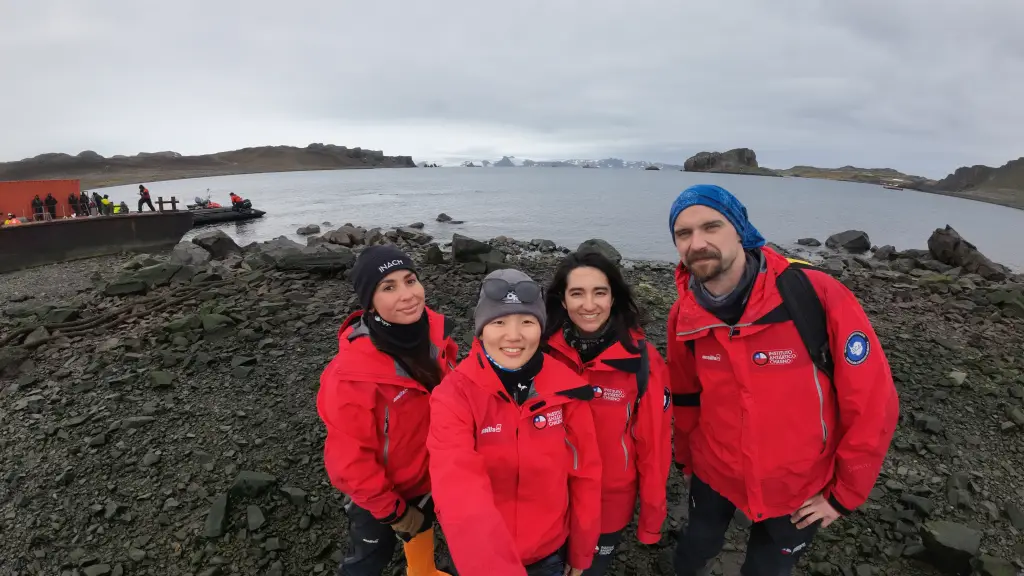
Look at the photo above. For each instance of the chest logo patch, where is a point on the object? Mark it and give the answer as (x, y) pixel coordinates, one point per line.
(774, 357)
(553, 418)
(609, 394)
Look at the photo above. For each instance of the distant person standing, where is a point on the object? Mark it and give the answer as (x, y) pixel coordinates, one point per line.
(37, 208)
(51, 206)
(83, 204)
(144, 199)
(73, 204)
(97, 202)
(106, 206)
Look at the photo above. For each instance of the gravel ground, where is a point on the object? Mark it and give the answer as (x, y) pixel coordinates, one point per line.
(172, 430)
(57, 281)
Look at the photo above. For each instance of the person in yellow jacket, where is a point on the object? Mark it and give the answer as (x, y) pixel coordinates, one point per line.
(11, 220)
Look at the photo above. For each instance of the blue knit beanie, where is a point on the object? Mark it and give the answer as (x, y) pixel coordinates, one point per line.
(722, 200)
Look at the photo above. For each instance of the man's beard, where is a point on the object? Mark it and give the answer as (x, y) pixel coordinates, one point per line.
(710, 262)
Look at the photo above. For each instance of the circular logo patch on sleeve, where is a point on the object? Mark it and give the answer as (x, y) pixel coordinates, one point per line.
(857, 348)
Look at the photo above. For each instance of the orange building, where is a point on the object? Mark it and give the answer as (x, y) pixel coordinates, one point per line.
(16, 196)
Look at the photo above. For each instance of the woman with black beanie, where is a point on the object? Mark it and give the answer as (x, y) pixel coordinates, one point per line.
(374, 401)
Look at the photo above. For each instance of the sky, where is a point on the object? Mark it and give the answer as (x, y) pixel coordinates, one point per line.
(923, 86)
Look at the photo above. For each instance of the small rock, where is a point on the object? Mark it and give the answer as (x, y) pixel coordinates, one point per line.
(254, 517)
(96, 570)
(1016, 516)
(297, 496)
(992, 566)
(808, 242)
(215, 518)
(161, 379)
(957, 378)
(249, 483)
(308, 229)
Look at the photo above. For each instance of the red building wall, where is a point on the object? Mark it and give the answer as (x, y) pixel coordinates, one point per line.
(17, 196)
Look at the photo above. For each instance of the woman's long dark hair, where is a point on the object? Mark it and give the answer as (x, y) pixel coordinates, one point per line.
(625, 314)
(415, 359)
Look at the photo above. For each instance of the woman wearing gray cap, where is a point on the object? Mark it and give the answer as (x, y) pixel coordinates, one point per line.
(514, 461)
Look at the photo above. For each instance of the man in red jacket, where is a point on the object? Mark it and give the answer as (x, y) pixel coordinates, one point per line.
(758, 426)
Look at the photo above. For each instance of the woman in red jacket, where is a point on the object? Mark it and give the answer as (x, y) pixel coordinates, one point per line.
(374, 400)
(513, 454)
(594, 329)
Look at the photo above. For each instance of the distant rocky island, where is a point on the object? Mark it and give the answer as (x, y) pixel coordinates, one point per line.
(97, 171)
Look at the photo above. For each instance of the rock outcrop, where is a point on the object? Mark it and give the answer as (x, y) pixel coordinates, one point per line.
(949, 247)
(94, 169)
(735, 161)
(855, 241)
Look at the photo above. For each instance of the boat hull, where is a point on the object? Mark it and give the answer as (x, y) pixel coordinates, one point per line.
(39, 243)
(203, 216)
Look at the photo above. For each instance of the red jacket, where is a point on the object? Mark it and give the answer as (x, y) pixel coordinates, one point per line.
(513, 484)
(771, 430)
(377, 419)
(636, 448)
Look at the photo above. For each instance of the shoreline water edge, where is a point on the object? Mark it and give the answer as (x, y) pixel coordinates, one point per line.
(158, 411)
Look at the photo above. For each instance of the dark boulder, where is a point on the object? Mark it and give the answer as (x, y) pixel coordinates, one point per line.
(414, 236)
(466, 249)
(809, 242)
(855, 241)
(951, 546)
(434, 255)
(308, 229)
(948, 247)
(217, 243)
(886, 253)
(189, 253)
(600, 246)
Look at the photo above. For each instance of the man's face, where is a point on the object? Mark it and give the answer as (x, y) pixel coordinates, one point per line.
(707, 243)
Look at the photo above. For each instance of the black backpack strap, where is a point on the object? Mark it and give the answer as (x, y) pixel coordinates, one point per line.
(807, 313)
(643, 376)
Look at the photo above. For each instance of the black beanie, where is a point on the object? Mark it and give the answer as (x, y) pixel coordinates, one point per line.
(372, 266)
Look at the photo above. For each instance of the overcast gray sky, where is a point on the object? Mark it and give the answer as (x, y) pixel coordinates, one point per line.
(923, 86)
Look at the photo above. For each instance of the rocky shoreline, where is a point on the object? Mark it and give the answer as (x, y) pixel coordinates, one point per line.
(159, 417)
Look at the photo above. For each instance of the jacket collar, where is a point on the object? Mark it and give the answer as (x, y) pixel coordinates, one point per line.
(555, 383)
(362, 361)
(615, 357)
(692, 320)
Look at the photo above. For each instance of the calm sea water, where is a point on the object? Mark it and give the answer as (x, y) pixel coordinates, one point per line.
(629, 208)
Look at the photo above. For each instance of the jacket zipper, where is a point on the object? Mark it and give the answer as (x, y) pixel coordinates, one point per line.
(731, 328)
(575, 456)
(387, 439)
(821, 407)
(625, 450)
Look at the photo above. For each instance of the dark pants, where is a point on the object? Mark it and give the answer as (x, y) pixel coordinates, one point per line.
(553, 565)
(146, 202)
(773, 548)
(606, 546)
(372, 544)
